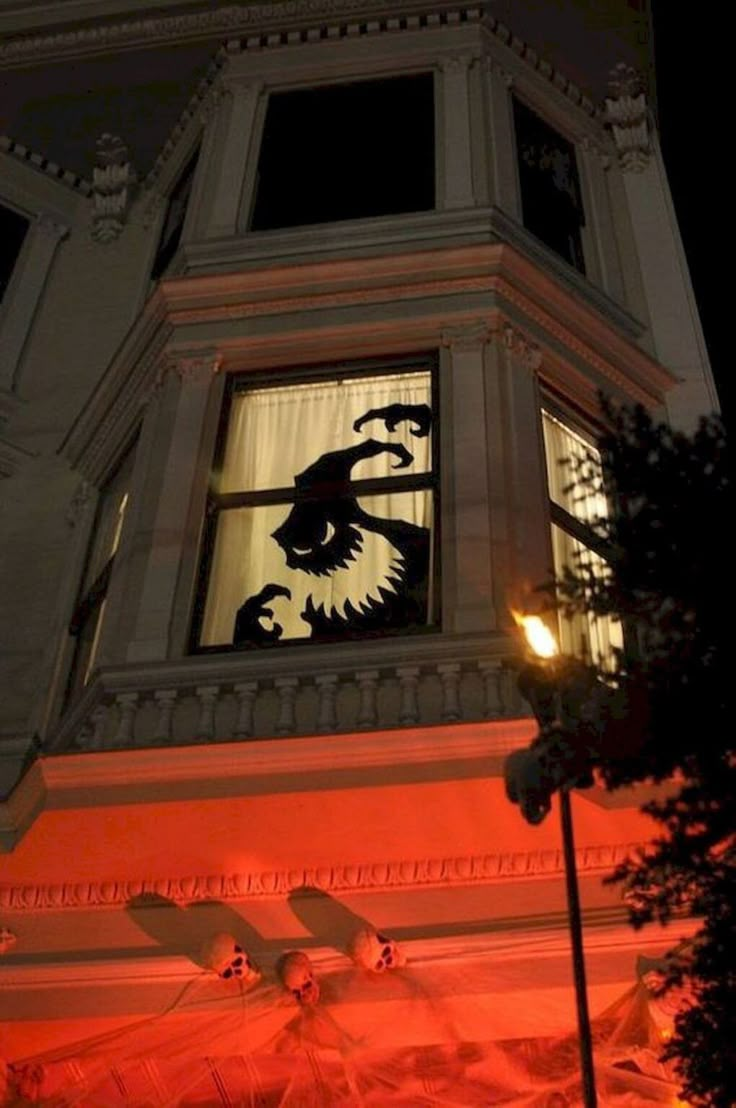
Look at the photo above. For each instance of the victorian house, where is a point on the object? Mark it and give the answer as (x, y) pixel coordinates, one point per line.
(304, 305)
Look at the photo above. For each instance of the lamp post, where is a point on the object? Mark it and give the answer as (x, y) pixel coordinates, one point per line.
(557, 689)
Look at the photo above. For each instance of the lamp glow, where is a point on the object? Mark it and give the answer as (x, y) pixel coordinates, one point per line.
(540, 639)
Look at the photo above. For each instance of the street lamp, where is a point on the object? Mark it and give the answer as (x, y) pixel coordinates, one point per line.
(559, 690)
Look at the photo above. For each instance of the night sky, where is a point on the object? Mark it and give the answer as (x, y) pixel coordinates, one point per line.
(695, 125)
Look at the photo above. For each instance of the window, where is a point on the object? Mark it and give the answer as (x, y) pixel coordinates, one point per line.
(572, 510)
(174, 221)
(321, 516)
(87, 620)
(13, 230)
(551, 204)
(346, 151)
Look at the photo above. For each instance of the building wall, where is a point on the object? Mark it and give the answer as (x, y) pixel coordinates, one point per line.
(110, 358)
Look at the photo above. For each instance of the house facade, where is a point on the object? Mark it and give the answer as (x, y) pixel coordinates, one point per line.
(283, 417)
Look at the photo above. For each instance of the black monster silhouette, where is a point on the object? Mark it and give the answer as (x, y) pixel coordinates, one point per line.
(326, 530)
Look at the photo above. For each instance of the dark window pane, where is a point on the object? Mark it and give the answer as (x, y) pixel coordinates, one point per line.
(550, 189)
(13, 230)
(347, 152)
(174, 221)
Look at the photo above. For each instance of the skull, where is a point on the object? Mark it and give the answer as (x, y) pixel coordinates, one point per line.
(297, 976)
(375, 952)
(222, 954)
(7, 940)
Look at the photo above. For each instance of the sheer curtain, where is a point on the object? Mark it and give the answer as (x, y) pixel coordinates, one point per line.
(584, 635)
(273, 435)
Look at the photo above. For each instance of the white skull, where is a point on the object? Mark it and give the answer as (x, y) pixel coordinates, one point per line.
(374, 951)
(7, 940)
(222, 954)
(297, 976)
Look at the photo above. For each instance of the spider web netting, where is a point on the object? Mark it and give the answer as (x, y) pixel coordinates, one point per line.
(217, 1044)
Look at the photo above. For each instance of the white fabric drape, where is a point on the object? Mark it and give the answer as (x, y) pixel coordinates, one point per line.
(273, 435)
(584, 635)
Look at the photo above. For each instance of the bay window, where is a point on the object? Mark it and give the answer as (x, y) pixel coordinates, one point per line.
(574, 507)
(320, 523)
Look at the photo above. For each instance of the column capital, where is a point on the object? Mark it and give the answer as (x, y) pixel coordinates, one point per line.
(467, 336)
(521, 347)
(192, 366)
(49, 226)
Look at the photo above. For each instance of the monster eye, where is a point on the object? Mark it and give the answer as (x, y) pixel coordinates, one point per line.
(329, 532)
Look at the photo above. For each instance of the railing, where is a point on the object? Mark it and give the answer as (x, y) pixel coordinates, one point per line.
(293, 691)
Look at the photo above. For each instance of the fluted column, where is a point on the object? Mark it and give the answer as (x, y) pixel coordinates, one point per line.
(231, 173)
(468, 585)
(457, 157)
(187, 378)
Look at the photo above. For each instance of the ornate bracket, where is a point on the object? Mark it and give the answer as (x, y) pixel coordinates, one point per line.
(626, 115)
(113, 179)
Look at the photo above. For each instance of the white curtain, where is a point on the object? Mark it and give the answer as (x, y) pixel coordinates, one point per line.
(584, 635)
(273, 435)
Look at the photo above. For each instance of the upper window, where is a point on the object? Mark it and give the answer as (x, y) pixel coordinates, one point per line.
(574, 506)
(13, 230)
(321, 520)
(346, 151)
(87, 620)
(173, 224)
(550, 188)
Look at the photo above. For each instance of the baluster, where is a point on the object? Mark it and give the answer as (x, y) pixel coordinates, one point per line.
(208, 695)
(491, 674)
(449, 674)
(165, 698)
(287, 689)
(246, 694)
(127, 706)
(409, 679)
(327, 716)
(368, 684)
(98, 716)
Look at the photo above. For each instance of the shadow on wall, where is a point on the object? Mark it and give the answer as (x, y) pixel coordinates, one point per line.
(185, 930)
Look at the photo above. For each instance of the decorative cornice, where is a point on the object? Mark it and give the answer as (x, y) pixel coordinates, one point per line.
(265, 24)
(42, 164)
(375, 876)
(544, 68)
(201, 105)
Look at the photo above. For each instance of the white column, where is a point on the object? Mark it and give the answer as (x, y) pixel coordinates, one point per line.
(519, 521)
(502, 140)
(468, 602)
(23, 294)
(598, 233)
(457, 159)
(230, 151)
(184, 401)
(678, 335)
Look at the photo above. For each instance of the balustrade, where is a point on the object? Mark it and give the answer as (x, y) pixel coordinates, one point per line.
(246, 696)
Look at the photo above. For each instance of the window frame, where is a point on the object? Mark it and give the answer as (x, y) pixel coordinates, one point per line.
(423, 361)
(554, 125)
(336, 81)
(13, 269)
(186, 176)
(581, 425)
(90, 601)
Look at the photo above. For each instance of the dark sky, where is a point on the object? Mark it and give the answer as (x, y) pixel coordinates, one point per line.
(694, 107)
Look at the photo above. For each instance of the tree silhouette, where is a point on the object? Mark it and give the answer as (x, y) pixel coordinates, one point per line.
(663, 713)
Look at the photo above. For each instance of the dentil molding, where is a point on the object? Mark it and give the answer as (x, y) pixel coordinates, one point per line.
(374, 876)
